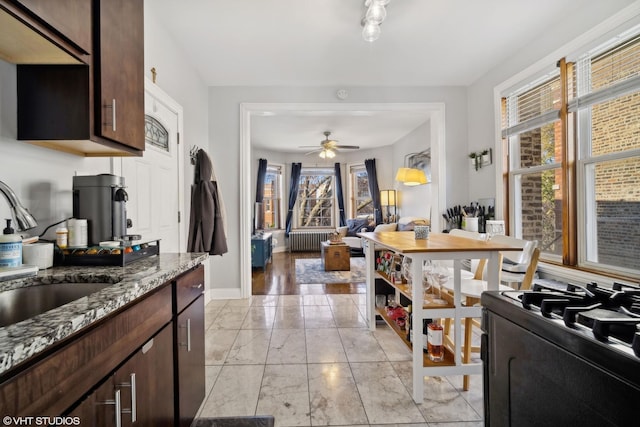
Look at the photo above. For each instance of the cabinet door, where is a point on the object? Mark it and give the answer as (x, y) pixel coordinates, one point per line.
(119, 85)
(190, 387)
(268, 249)
(145, 382)
(71, 18)
(139, 393)
(100, 408)
(257, 253)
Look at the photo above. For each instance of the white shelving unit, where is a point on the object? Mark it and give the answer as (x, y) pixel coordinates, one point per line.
(437, 247)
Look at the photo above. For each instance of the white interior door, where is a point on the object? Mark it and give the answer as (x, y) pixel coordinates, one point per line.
(153, 180)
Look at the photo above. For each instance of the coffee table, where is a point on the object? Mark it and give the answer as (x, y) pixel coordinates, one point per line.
(335, 257)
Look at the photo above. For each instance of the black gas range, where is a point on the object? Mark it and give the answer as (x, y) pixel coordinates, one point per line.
(562, 355)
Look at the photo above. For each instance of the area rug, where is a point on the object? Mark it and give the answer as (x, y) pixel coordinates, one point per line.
(310, 270)
(258, 421)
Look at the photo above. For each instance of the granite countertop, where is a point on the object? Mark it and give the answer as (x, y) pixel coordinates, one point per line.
(22, 340)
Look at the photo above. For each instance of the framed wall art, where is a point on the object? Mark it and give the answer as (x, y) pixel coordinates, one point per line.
(422, 161)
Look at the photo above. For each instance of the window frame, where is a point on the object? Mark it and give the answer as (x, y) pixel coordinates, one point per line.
(277, 201)
(354, 168)
(320, 171)
(579, 187)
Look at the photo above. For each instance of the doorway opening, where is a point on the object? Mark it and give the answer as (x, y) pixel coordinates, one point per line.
(435, 112)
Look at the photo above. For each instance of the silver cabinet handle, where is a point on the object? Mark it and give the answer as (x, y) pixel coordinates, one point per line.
(198, 286)
(134, 405)
(188, 334)
(118, 407)
(113, 112)
(188, 344)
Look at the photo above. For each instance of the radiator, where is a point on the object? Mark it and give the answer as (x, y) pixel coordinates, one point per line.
(306, 241)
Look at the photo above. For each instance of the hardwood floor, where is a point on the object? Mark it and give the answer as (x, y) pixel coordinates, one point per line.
(279, 278)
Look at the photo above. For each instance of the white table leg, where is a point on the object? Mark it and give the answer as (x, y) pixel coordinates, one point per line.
(370, 268)
(493, 271)
(417, 297)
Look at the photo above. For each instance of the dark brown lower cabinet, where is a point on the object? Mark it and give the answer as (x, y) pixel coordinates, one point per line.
(141, 366)
(190, 386)
(138, 393)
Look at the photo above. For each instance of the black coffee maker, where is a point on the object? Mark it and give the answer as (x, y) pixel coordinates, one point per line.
(101, 199)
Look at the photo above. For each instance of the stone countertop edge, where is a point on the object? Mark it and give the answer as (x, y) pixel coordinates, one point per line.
(23, 340)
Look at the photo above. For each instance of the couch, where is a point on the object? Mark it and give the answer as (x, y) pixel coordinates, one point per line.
(354, 226)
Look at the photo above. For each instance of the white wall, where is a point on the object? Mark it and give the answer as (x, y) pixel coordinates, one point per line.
(413, 201)
(224, 104)
(179, 79)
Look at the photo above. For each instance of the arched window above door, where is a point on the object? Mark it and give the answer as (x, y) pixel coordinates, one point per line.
(155, 133)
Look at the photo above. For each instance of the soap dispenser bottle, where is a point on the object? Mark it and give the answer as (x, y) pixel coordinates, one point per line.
(10, 247)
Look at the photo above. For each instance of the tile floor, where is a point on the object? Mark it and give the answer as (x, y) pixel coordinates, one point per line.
(309, 360)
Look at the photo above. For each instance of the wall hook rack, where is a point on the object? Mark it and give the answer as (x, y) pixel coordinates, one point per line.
(193, 152)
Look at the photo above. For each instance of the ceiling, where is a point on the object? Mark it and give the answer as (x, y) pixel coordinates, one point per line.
(318, 43)
(291, 131)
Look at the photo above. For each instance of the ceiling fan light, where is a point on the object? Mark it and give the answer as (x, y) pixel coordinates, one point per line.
(323, 154)
(376, 13)
(371, 31)
(331, 154)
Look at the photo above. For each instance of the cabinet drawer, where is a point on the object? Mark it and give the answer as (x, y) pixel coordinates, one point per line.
(188, 287)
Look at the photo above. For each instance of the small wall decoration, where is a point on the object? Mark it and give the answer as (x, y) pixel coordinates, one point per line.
(481, 158)
(422, 161)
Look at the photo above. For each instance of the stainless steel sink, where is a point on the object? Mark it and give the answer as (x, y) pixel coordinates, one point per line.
(20, 304)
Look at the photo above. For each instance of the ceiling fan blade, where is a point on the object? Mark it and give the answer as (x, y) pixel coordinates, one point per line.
(347, 147)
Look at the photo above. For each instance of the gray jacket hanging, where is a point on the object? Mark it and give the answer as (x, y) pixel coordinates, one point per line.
(206, 222)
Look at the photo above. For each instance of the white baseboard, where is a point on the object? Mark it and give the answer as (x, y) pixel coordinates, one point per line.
(222, 293)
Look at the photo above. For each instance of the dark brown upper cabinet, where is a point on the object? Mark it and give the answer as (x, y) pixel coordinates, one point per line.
(27, 38)
(95, 107)
(71, 19)
(119, 71)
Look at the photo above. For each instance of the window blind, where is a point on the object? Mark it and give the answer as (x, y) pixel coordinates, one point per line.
(606, 73)
(532, 106)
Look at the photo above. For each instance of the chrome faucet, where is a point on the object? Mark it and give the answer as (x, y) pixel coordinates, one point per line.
(24, 219)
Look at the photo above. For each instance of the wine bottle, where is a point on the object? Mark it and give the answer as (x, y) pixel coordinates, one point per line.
(425, 329)
(435, 345)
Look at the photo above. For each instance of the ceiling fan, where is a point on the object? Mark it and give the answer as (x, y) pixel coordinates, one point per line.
(329, 147)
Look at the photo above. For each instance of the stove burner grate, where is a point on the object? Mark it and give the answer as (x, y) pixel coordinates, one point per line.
(608, 312)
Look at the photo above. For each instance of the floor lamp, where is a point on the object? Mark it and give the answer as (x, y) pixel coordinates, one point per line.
(388, 199)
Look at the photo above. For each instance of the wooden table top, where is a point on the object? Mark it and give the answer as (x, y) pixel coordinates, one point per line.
(404, 241)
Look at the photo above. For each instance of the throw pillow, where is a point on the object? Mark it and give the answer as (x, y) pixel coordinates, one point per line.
(342, 231)
(356, 225)
(385, 227)
(408, 224)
